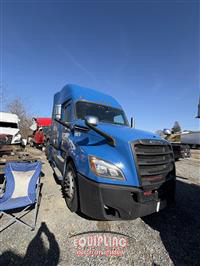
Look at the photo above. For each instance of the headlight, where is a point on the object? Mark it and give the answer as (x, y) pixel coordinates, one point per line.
(105, 169)
(18, 135)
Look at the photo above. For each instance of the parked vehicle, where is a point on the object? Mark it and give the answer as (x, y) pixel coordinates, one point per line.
(11, 143)
(40, 128)
(191, 138)
(107, 169)
(9, 129)
(181, 151)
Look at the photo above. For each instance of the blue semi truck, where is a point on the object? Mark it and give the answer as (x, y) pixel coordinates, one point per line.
(108, 170)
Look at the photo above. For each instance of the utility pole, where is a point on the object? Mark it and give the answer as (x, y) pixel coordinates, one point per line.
(198, 111)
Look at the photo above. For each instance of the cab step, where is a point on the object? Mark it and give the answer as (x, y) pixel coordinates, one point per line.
(57, 172)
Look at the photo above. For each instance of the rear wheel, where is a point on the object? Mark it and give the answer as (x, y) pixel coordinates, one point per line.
(70, 189)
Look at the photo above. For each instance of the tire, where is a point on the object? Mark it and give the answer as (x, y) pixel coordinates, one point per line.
(70, 188)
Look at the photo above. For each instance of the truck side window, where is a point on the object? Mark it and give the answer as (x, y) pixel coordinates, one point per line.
(67, 113)
(118, 119)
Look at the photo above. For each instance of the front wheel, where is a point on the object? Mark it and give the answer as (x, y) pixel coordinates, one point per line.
(70, 189)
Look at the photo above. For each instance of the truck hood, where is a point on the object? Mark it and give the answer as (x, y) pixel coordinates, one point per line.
(125, 133)
(121, 155)
(9, 131)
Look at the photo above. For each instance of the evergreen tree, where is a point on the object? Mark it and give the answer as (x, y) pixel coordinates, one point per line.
(176, 128)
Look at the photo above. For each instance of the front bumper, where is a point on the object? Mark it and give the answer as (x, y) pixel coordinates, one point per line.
(112, 202)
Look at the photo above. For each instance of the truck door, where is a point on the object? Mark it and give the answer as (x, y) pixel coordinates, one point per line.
(56, 128)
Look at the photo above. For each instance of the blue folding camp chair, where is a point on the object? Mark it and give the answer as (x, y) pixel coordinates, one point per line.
(21, 192)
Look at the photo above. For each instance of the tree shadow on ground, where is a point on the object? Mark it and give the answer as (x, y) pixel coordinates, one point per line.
(37, 253)
(179, 226)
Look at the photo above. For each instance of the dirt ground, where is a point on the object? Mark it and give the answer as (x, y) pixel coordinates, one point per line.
(171, 237)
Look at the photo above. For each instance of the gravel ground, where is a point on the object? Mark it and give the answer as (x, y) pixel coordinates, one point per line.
(170, 237)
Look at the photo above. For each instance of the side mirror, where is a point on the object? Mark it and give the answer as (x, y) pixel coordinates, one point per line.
(132, 122)
(57, 111)
(167, 131)
(91, 120)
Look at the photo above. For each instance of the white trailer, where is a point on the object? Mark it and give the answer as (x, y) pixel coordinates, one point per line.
(191, 138)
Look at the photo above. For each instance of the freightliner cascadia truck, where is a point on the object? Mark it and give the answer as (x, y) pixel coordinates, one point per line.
(108, 170)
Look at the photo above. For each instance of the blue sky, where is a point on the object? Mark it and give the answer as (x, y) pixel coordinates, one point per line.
(144, 53)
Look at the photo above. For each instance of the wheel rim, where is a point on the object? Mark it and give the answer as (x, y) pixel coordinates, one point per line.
(69, 185)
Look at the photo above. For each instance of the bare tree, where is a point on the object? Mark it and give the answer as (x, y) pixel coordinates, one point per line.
(17, 107)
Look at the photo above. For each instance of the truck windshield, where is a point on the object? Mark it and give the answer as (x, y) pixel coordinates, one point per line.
(105, 114)
(8, 124)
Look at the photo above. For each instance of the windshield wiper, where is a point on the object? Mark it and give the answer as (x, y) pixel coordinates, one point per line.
(110, 139)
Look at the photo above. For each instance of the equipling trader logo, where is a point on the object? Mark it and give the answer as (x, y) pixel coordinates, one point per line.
(96, 241)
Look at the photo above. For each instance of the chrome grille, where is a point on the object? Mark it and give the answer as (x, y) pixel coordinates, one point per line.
(154, 159)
